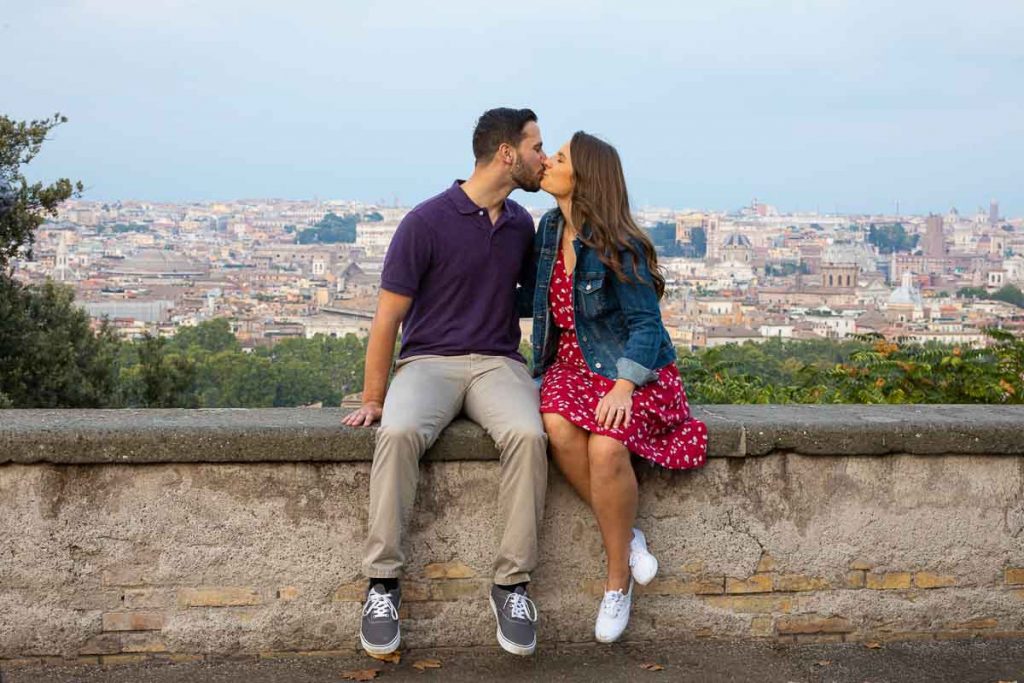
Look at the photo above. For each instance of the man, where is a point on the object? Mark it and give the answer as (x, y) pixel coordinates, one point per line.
(450, 279)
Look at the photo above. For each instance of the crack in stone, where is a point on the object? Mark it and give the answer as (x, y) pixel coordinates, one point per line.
(745, 531)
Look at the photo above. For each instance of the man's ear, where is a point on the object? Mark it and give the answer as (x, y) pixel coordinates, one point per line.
(505, 153)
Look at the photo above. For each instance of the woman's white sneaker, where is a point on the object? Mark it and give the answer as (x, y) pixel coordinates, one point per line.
(642, 565)
(613, 615)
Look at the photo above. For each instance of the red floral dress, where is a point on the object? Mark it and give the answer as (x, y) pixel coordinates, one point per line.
(661, 428)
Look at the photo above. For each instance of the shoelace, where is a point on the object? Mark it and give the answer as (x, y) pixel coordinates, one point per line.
(613, 603)
(520, 607)
(379, 605)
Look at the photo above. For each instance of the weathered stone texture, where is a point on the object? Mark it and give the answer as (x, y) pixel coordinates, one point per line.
(127, 560)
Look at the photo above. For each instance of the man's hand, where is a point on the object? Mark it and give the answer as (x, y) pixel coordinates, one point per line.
(391, 310)
(364, 416)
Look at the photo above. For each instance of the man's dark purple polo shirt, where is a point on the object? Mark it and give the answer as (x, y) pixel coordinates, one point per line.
(461, 273)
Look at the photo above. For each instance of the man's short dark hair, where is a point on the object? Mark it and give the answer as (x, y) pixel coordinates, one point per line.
(496, 126)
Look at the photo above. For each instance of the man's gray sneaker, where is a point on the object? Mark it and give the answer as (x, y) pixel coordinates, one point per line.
(379, 632)
(517, 620)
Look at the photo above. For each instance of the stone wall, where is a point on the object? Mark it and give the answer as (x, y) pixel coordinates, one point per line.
(179, 534)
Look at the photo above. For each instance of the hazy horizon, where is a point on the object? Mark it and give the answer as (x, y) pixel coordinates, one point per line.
(826, 105)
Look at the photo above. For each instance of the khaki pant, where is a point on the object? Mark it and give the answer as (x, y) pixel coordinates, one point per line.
(427, 393)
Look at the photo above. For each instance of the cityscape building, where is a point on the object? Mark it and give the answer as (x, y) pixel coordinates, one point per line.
(151, 268)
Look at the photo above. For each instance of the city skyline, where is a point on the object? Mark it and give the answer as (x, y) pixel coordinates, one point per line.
(838, 107)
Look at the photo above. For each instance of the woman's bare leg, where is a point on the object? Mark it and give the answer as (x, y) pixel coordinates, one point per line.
(569, 451)
(613, 495)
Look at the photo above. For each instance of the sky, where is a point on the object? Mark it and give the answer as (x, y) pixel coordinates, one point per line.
(829, 105)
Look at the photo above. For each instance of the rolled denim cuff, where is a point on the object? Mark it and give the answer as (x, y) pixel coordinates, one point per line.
(634, 372)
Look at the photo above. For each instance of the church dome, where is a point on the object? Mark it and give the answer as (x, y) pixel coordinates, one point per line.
(906, 294)
(737, 240)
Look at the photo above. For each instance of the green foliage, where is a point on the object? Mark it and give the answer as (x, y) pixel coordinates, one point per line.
(129, 227)
(49, 358)
(321, 369)
(892, 237)
(866, 369)
(205, 367)
(662, 234)
(152, 375)
(1010, 294)
(330, 229)
(24, 206)
(49, 355)
(211, 336)
(699, 240)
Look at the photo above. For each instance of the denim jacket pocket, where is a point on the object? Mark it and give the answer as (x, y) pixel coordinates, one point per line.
(591, 294)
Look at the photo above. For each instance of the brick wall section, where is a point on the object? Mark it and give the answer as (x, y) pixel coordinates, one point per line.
(218, 596)
(113, 563)
(774, 601)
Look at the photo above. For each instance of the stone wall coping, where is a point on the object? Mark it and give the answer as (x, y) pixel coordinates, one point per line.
(228, 435)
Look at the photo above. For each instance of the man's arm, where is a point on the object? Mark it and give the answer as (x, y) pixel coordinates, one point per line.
(391, 310)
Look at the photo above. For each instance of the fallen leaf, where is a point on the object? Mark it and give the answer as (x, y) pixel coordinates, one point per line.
(652, 667)
(423, 664)
(823, 662)
(873, 645)
(393, 658)
(360, 675)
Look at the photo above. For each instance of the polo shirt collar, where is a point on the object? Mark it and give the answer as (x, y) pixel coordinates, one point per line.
(465, 205)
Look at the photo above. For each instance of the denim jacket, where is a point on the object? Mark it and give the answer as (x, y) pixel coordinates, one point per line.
(618, 324)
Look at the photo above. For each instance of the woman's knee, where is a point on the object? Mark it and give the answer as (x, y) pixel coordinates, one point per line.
(561, 432)
(608, 457)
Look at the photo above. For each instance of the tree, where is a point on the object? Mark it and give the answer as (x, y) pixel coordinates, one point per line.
(662, 234)
(331, 228)
(893, 237)
(49, 355)
(154, 376)
(24, 206)
(211, 336)
(863, 369)
(699, 239)
(1011, 294)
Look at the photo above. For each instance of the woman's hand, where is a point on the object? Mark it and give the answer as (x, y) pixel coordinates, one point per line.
(615, 409)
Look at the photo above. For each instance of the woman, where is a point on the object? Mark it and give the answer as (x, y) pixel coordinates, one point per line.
(610, 385)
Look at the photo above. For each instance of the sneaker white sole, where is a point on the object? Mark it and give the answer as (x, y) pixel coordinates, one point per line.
(381, 649)
(643, 579)
(601, 639)
(506, 644)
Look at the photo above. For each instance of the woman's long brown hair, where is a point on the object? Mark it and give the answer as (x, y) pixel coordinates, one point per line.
(600, 201)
